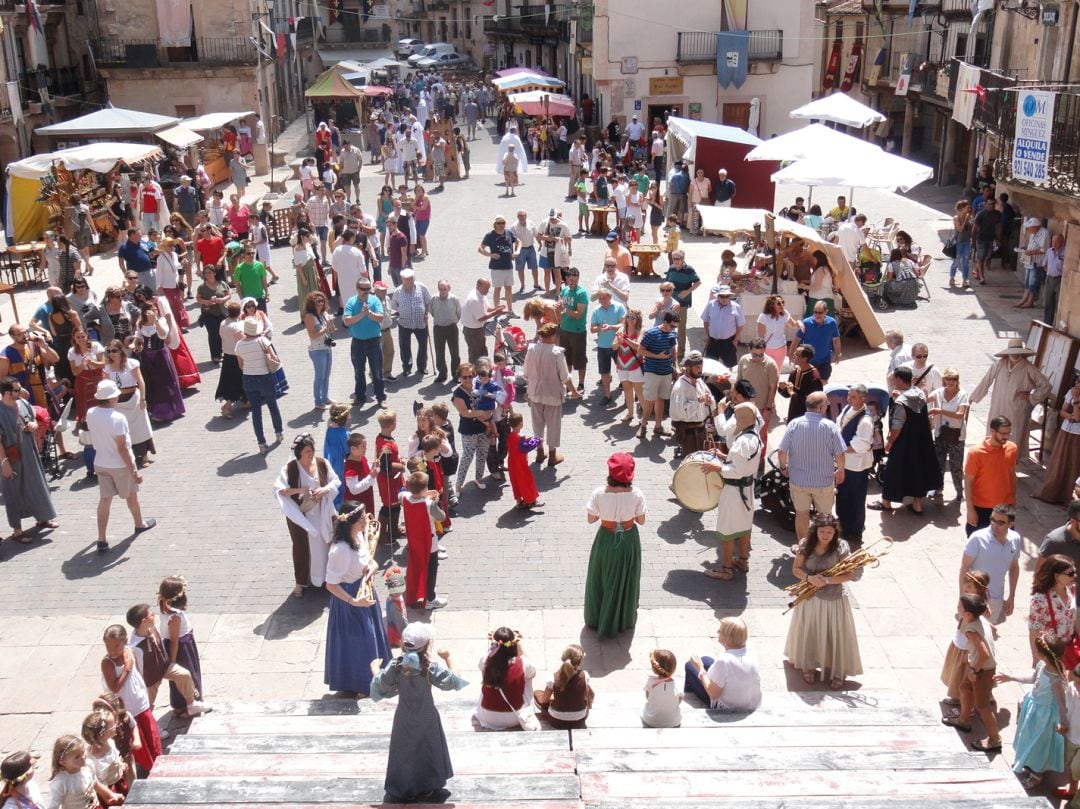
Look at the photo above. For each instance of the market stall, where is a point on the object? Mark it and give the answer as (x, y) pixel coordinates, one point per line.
(543, 104)
(38, 188)
(713, 147)
(334, 96)
(212, 154)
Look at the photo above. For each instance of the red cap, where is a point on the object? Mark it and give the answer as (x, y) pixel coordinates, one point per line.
(379, 285)
(621, 467)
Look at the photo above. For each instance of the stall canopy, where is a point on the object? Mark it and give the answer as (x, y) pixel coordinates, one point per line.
(538, 102)
(109, 122)
(810, 141)
(373, 90)
(213, 120)
(514, 71)
(179, 136)
(856, 169)
(736, 220)
(333, 84)
(331, 56)
(26, 218)
(839, 108)
(527, 81)
(713, 147)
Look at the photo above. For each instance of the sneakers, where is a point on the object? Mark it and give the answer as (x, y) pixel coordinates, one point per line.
(197, 708)
(436, 604)
(442, 552)
(102, 546)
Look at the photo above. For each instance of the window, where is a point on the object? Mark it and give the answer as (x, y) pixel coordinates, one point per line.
(468, 22)
(454, 23)
(185, 111)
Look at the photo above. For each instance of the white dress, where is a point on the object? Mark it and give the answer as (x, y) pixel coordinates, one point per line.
(523, 157)
(319, 522)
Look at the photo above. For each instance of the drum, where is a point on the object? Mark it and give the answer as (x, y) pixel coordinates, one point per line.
(694, 489)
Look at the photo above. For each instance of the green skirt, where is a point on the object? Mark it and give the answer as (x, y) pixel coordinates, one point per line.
(613, 582)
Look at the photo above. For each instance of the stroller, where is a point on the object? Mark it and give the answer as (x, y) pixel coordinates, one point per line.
(511, 341)
(772, 492)
(872, 281)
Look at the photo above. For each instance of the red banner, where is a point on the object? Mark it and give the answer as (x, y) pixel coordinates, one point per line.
(829, 79)
(851, 73)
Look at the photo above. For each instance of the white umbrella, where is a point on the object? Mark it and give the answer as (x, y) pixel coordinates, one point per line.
(856, 169)
(811, 140)
(839, 108)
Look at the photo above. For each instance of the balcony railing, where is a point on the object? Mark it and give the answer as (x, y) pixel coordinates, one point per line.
(900, 6)
(700, 46)
(5, 107)
(59, 81)
(147, 53)
(533, 16)
(956, 8)
(1063, 164)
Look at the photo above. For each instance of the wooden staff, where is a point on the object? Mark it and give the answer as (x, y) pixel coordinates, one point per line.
(858, 559)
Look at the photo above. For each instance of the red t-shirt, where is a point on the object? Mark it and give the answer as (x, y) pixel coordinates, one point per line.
(211, 249)
(390, 483)
(149, 199)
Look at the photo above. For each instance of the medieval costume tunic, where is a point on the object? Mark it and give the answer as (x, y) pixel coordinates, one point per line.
(735, 512)
(26, 494)
(1007, 380)
(420, 515)
(511, 136)
(912, 469)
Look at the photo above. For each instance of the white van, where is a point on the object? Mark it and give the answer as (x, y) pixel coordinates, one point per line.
(431, 51)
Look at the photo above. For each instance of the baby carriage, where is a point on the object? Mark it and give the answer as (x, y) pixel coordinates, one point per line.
(772, 492)
(511, 341)
(877, 405)
(872, 281)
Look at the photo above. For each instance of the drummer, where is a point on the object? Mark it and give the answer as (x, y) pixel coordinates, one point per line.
(691, 406)
(735, 512)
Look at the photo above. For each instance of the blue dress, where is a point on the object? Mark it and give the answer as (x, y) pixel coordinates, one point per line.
(336, 450)
(354, 637)
(1038, 745)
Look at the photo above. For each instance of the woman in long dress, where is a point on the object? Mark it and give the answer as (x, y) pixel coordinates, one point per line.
(163, 398)
(187, 372)
(419, 760)
(87, 358)
(305, 490)
(735, 512)
(1064, 465)
(614, 578)
(127, 374)
(355, 633)
(822, 631)
(22, 480)
(230, 386)
(307, 279)
(62, 322)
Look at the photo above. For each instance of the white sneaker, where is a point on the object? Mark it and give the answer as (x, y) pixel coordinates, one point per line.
(480, 484)
(198, 708)
(162, 733)
(442, 553)
(436, 604)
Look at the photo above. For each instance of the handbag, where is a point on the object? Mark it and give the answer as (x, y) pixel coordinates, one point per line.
(273, 362)
(950, 247)
(1072, 647)
(525, 716)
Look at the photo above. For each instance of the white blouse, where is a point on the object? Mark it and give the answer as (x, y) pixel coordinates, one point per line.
(775, 329)
(77, 360)
(345, 565)
(125, 377)
(616, 506)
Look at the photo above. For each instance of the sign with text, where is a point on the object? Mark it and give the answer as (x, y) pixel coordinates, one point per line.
(666, 86)
(1034, 119)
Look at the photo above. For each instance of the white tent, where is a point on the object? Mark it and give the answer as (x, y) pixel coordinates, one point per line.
(213, 120)
(99, 157)
(687, 132)
(840, 108)
(856, 169)
(716, 219)
(811, 140)
(108, 122)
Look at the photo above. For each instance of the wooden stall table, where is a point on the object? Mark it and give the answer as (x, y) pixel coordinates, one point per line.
(29, 256)
(9, 289)
(599, 219)
(644, 255)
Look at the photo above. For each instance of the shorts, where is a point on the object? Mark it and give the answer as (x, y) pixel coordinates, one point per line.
(1033, 279)
(636, 375)
(574, 344)
(510, 177)
(502, 278)
(984, 250)
(822, 497)
(422, 226)
(657, 386)
(525, 258)
(116, 482)
(982, 690)
(603, 359)
(583, 209)
(409, 167)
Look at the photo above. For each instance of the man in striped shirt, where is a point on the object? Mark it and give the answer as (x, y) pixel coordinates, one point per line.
(811, 449)
(658, 363)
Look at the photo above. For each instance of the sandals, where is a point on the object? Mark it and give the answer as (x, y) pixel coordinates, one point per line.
(836, 684)
(995, 747)
(879, 505)
(723, 574)
(741, 563)
(954, 722)
(809, 677)
(642, 432)
(298, 591)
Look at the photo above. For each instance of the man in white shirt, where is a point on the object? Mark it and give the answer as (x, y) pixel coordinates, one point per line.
(115, 462)
(995, 550)
(349, 265)
(924, 375)
(578, 158)
(613, 281)
(691, 405)
(409, 153)
(618, 195)
(524, 230)
(657, 151)
(851, 236)
(635, 130)
(475, 312)
(898, 354)
(857, 430)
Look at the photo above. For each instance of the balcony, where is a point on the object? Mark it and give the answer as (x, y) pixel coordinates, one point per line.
(1063, 165)
(534, 17)
(5, 107)
(956, 8)
(59, 81)
(438, 5)
(147, 53)
(699, 47)
(901, 6)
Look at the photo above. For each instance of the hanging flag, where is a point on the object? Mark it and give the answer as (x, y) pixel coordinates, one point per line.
(487, 2)
(829, 79)
(851, 72)
(911, 10)
(732, 52)
(365, 9)
(878, 67)
(35, 18)
(335, 10)
(904, 82)
(281, 47)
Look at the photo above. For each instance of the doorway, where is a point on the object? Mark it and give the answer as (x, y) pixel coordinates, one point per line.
(737, 115)
(662, 111)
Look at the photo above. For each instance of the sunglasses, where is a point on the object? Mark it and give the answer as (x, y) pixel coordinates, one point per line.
(1070, 573)
(114, 351)
(999, 522)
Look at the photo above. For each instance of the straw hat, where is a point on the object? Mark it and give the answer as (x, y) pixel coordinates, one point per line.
(1016, 348)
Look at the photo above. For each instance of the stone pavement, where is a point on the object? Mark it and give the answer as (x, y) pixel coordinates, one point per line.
(220, 527)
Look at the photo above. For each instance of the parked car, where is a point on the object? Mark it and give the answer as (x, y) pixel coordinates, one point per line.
(408, 46)
(430, 51)
(444, 60)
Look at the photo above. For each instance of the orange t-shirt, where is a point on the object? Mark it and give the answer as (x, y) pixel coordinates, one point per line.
(623, 259)
(992, 470)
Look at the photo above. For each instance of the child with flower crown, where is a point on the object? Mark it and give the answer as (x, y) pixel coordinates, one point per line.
(179, 640)
(17, 787)
(396, 612)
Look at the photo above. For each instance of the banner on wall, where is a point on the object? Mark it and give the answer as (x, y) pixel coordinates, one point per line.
(906, 69)
(1034, 120)
(878, 67)
(732, 57)
(829, 79)
(851, 72)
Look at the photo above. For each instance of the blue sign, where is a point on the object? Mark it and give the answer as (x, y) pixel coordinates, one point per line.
(637, 105)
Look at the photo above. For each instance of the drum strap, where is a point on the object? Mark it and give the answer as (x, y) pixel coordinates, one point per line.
(743, 483)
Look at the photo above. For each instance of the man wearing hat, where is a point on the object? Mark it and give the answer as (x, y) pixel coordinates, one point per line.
(363, 316)
(735, 512)
(411, 301)
(616, 250)
(723, 320)
(635, 130)
(1017, 387)
(691, 405)
(557, 249)
(1033, 260)
(115, 462)
(187, 202)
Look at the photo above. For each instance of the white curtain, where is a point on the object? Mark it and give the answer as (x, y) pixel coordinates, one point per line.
(174, 23)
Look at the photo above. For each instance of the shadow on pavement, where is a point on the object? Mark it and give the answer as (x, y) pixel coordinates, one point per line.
(293, 615)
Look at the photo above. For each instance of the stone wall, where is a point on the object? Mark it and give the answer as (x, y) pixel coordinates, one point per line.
(137, 19)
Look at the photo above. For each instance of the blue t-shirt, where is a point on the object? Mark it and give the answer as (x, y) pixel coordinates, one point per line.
(135, 257)
(820, 337)
(679, 183)
(486, 402)
(612, 315)
(659, 341)
(366, 328)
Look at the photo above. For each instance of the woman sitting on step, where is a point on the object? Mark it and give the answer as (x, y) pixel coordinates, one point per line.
(507, 676)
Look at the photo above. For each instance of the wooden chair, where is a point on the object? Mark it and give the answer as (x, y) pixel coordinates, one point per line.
(9, 265)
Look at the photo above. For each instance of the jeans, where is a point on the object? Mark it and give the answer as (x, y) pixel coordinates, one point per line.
(962, 260)
(323, 360)
(692, 683)
(212, 324)
(446, 337)
(259, 391)
(658, 168)
(364, 352)
(405, 342)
